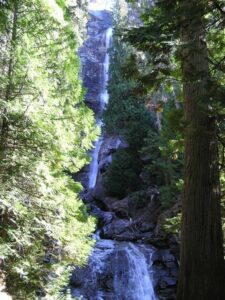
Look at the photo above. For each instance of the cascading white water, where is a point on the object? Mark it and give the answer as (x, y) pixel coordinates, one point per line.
(103, 98)
(93, 171)
(132, 280)
(104, 94)
(118, 271)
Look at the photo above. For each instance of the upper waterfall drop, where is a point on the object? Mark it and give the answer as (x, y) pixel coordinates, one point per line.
(104, 94)
(103, 98)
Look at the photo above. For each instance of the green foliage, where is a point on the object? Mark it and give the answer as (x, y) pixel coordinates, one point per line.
(57, 288)
(173, 225)
(45, 132)
(159, 38)
(123, 175)
(163, 152)
(159, 152)
(126, 116)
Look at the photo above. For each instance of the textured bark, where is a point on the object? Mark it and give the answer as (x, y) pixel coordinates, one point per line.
(202, 264)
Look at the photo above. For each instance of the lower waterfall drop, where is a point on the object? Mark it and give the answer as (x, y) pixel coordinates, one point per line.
(132, 281)
(116, 271)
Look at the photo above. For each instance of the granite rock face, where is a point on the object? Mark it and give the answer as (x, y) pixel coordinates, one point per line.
(92, 55)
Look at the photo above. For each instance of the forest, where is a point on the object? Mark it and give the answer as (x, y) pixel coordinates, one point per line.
(112, 149)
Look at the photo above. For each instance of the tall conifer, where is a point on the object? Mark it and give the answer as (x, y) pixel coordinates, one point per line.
(179, 31)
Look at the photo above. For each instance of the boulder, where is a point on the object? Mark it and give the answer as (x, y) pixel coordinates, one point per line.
(98, 192)
(120, 207)
(116, 227)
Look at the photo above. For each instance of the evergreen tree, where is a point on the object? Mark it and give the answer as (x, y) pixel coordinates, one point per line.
(155, 153)
(46, 130)
(127, 116)
(185, 30)
(202, 264)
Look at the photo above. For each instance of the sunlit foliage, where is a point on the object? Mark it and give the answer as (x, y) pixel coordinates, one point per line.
(45, 132)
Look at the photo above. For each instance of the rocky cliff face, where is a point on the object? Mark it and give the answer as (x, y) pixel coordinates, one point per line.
(92, 55)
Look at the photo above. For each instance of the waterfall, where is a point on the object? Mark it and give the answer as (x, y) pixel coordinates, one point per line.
(122, 265)
(118, 271)
(132, 280)
(131, 272)
(104, 94)
(93, 172)
(103, 98)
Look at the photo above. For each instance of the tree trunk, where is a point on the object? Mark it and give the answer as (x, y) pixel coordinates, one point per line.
(9, 86)
(202, 275)
(12, 52)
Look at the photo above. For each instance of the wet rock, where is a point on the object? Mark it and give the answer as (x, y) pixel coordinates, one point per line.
(107, 217)
(167, 294)
(120, 207)
(98, 192)
(165, 274)
(146, 226)
(116, 227)
(135, 217)
(77, 279)
(168, 281)
(105, 163)
(111, 144)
